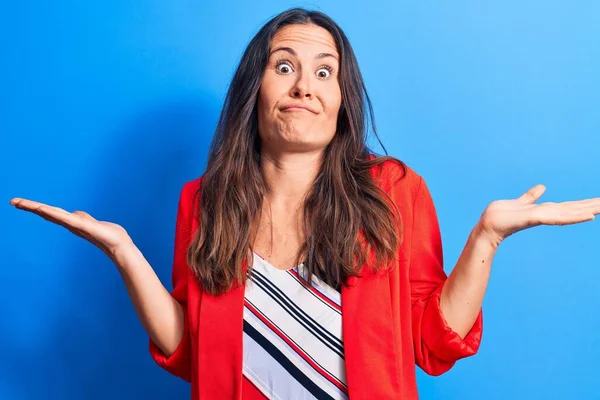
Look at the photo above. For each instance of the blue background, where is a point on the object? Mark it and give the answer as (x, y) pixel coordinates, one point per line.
(109, 107)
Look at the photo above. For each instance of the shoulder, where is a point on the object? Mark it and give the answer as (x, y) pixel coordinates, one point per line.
(193, 186)
(391, 175)
(190, 193)
(396, 176)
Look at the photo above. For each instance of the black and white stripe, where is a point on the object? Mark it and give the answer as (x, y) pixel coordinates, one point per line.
(293, 346)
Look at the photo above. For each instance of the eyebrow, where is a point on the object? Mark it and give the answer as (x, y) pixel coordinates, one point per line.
(292, 52)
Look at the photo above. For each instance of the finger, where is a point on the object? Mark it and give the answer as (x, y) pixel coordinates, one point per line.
(30, 205)
(593, 210)
(578, 218)
(78, 222)
(533, 194)
(36, 207)
(44, 209)
(62, 217)
(582, 203)
(570, 217)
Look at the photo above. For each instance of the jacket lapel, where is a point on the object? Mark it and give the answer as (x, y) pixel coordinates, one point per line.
(220, 336)
(368, 337)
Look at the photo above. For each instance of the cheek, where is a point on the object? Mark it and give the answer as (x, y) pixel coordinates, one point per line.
(333, 101)
(270, 92)
(263, 99)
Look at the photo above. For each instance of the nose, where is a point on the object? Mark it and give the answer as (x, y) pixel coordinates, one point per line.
(302, 87)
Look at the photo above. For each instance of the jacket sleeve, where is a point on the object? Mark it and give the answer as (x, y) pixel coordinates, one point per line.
(178, 363)
(437, 347)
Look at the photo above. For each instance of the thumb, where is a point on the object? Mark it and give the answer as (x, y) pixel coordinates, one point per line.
(83, 214)
(533, 194)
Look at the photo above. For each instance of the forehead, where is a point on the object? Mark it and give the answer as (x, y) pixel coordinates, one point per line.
(305, 38)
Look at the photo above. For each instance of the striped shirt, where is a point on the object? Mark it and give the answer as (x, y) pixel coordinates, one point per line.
(292, 339)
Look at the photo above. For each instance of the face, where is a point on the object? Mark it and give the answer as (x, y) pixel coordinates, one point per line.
(300, 94)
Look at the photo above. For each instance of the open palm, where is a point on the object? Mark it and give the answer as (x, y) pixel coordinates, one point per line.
(503, 218)
(107, 236)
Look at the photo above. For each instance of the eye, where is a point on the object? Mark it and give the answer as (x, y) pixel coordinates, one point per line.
(283, 67)
(324, 71)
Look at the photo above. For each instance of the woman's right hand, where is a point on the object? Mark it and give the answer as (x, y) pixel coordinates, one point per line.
(111, 238)
(160, 313)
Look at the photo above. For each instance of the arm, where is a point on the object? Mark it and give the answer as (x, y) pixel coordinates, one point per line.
(437, 345)
(159, 312)
(164, 315)
(462, 295)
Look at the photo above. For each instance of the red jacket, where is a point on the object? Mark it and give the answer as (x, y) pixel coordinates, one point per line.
(389, 321)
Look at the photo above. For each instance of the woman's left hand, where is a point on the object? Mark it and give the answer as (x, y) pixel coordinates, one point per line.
(503, 218)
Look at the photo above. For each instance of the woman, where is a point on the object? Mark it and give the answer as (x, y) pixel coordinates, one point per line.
(305, 266)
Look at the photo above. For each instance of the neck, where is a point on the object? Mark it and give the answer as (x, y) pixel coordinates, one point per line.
(289, 176)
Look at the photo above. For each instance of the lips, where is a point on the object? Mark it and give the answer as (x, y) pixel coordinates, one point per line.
(298, 107)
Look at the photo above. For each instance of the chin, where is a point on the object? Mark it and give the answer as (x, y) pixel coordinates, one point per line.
(296, 142)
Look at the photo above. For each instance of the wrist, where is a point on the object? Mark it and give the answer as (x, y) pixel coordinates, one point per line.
(125, 256)
(480, 234)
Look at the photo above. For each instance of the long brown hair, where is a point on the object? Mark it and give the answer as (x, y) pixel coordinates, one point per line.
(343, 201)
